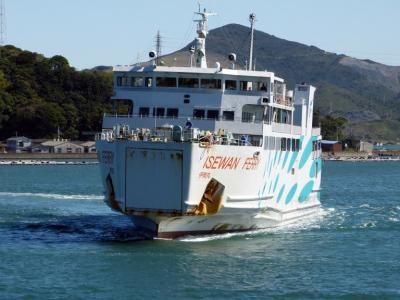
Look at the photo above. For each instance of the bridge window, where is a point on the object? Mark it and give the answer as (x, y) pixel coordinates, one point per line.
(253, 86)
(172, 112)
(188, 82)
(158, 112)
(213, 114)
(166, 82)
(122, 107)
(144, 111)
(122, 81)
(199, 113)
(137, 81)
(148, 82)
(210, 83)
(230, 85)
(252, 113)
(228, 115)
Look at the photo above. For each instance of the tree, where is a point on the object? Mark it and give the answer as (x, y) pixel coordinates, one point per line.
(331, 127)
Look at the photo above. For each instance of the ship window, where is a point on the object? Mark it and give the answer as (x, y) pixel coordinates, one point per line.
(137, 81)
(230, 85)
(210, 83)
(148, 82)
(288, 144)
(263, 86)
(278, 143)
(294, 145)
(166, 82)
(283, 144)
(252, 86)
(124, 81)
(212, 114)
(199, 113)
(158, 111)
(245, 86)
(228, 115)
(172, 112)
(122, 106)
(188, 82)
(271, 143)
(144, 111)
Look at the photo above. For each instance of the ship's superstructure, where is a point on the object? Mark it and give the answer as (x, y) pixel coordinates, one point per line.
(200, 149)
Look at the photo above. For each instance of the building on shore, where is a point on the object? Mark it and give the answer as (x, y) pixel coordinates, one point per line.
(366, 147)
(89, 147)
(18, 144)
(331, 147)
(39, 148)
(3, 148)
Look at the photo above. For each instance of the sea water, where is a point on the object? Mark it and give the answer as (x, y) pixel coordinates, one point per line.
(58, 240)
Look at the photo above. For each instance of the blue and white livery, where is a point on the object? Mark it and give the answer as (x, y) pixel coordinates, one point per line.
(209, 150)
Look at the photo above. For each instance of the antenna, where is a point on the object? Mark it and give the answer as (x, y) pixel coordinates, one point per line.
(2, 22)
(252, 19)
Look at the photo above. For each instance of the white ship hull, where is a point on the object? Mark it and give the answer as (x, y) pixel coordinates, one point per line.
(164, 186)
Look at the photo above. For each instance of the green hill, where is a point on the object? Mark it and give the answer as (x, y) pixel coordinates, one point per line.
(38, 95)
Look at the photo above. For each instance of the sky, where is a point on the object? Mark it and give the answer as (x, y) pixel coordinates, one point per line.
(104, 32)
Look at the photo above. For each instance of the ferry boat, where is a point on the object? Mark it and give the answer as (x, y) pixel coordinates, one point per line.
(204, 150)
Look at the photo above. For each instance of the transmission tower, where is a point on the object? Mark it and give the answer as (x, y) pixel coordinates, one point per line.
(2, 22)
(158, 41)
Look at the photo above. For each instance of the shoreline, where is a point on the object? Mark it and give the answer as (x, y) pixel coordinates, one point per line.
(47, 156)
(344, 159)
(10, 159)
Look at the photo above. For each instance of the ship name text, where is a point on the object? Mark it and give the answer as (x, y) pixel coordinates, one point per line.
(230, 163)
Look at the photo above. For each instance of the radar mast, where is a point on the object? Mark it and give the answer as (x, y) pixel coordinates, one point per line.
(202, 31)
(252, 19)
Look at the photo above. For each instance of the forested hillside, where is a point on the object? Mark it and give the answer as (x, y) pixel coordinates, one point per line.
(38, 95)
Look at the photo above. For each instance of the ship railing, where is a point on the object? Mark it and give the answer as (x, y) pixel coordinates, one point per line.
(166, 134)
(283, 128)
(283, 100)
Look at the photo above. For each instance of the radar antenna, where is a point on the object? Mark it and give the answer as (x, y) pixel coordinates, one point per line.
(202, 31)
(252, 19)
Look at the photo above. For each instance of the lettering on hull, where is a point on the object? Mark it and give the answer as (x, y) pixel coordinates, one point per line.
(230, 163)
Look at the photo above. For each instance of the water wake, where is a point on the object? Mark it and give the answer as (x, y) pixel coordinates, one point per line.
(306, 223)
(54, 196)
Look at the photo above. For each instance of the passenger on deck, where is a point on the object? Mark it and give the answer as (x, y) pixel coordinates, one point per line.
(188, 124)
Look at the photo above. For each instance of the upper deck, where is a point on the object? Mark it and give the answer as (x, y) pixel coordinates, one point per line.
(247, 101)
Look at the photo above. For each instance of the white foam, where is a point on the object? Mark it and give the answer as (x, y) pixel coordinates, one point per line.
(365, 206)
(54, 196)
(368, 224)
(305, 223)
